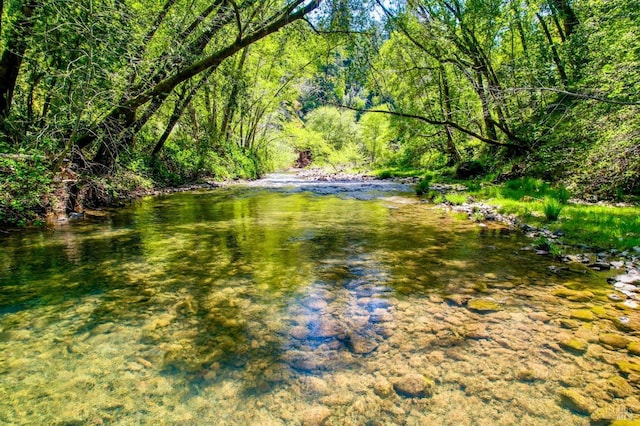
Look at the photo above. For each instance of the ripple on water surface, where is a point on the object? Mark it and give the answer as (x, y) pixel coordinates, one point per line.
(259, 305)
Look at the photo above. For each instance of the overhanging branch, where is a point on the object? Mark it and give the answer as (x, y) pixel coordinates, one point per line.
(449, 123)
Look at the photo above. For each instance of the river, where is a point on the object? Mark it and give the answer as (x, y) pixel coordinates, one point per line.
(287, 301)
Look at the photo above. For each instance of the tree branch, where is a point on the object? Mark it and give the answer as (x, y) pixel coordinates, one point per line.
(572, 94)
(440, 123)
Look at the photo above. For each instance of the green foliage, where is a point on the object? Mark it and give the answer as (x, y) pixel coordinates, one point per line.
(24, 185)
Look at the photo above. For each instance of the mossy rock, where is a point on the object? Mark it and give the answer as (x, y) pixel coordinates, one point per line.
(599, 311)
(634, 348)
(573, 295)
(582, 314)
(574, 401)
(574, 345)
(619, 387)
(483, 305)
(625, 423)
(614, 340)
(627, 367)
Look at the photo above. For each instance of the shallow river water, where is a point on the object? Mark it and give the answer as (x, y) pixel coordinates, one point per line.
(293, 302)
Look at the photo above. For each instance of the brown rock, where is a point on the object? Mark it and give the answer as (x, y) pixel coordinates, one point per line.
(414, 386)
(619, 388)
(539, 316)
(614, 340)
(573, 400)
(315, 416)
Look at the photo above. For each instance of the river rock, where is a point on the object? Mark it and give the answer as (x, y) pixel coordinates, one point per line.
(539, 316)
(574, 401)
(483, 305)
(299, 332)
(630, 277)
(315, 304)
(574, 345)
(383, 388)
(582, 314)
(614, 340)
(607, 414)
(573, 295)
(315, 385)
(380, 315)
(569, 324)
(476, 331)
(361, 344)
(414, 386)
(634, 348)
(457, 299)
(623, 422)
(324, 329)
(619, 387)
(315, 416)
(625, 323)
(628, 367)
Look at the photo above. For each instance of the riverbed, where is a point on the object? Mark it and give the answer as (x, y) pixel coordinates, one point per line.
(288, 301)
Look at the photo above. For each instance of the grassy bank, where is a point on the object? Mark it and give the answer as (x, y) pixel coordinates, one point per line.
(534, 202)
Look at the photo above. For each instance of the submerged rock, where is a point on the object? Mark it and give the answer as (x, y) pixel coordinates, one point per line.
(628, 367)
(573, 295)
(484, 305)
(634, 348)
(414, 386)
(315, 416)
(359, 344)
(574, 345)
(574, 401)
(383, 388)
(619, 387)
(614, 340)
(582, 315)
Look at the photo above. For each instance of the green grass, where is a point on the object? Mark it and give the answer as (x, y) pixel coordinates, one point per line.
(457, 198)
(395, 172)
(552, 209)
(539, 204)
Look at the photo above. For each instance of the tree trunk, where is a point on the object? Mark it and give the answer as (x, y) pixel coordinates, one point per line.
(229, 110)
(11, 60)
(569, 19)
(554, 52)
(452, 150)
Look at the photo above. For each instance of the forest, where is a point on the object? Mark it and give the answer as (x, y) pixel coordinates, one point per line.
(103, 98)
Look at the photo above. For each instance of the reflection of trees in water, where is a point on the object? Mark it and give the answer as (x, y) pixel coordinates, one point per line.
(214, 285)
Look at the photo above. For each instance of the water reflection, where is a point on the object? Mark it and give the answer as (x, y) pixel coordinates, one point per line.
(254, 306)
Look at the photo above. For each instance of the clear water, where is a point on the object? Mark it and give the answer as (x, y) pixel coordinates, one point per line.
(287, 302)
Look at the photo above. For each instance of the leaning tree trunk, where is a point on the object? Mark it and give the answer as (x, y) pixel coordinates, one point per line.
(11, 60)
(120, 120)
